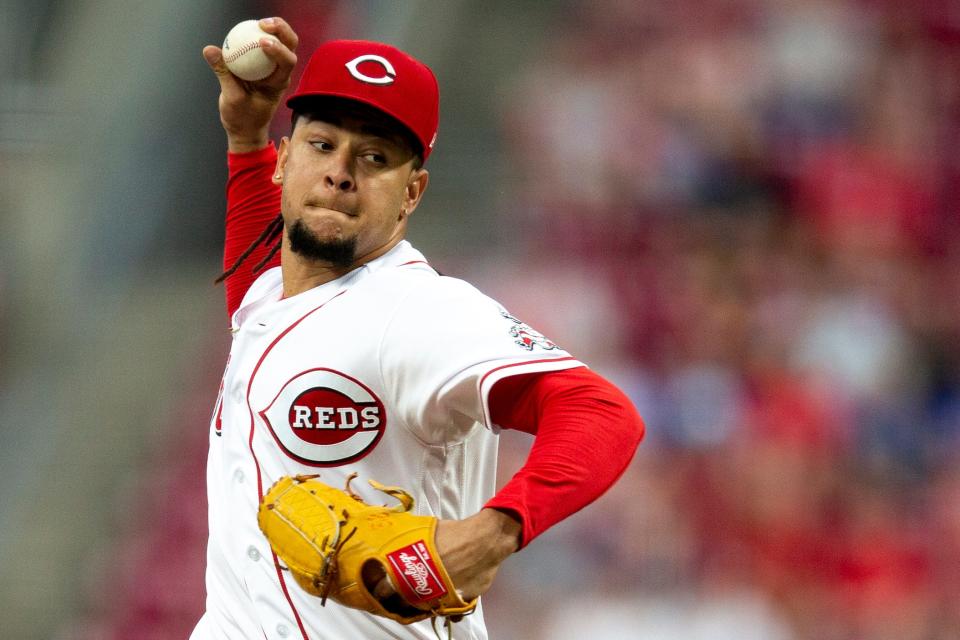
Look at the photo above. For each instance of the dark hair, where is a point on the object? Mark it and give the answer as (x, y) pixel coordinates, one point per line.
(271, 234)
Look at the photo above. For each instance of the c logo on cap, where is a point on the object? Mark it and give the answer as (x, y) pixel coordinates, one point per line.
(387, 78)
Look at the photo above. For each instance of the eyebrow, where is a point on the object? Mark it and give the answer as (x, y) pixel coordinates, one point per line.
(370, 129)
(379, 131)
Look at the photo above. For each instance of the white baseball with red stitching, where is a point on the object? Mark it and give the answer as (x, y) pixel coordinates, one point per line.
(242, 53)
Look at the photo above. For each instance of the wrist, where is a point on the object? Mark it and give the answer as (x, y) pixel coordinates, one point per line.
(238, 144)
(504, 528)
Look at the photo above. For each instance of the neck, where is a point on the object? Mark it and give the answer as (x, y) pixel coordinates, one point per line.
(302, 274)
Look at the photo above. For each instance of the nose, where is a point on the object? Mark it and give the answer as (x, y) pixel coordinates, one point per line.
(338, 174)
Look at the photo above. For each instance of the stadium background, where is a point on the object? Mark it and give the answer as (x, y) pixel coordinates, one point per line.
(744, 212)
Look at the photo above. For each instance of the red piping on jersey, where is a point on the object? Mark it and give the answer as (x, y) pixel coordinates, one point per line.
(218, 419)
(286, 594)
(256, 462)
(218, 409)
(521, 364)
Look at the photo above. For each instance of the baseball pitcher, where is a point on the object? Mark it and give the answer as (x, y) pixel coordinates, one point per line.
(353, 443)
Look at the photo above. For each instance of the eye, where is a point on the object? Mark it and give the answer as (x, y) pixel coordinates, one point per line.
(375, 157)
(321, 145)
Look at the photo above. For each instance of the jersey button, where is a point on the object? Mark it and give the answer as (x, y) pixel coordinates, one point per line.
(238, 476)
(283, 630)
(252, 553)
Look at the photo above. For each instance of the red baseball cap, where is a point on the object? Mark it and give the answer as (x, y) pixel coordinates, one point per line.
(379, 75)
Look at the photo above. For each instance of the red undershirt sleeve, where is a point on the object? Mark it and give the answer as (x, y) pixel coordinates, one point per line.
(586, 432)
(252, 202)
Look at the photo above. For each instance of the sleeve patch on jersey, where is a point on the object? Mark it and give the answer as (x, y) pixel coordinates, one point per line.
(525, 336)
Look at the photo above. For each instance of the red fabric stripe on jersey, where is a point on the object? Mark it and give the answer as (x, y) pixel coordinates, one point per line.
(525, 363)
(252, 202)
(586, 432)
(286, 594)
(256, 462)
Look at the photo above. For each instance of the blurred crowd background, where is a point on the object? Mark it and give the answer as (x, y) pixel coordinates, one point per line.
(744, 212)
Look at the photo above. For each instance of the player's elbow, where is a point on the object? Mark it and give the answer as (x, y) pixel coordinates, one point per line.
(629, 425)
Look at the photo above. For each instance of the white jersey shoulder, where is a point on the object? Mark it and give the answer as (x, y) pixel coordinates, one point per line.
(449, 343)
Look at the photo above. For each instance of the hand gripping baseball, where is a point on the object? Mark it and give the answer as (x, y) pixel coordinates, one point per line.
(336, 546)
(247, 107)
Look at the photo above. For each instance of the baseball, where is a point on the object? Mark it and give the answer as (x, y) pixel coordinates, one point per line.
(242, 53)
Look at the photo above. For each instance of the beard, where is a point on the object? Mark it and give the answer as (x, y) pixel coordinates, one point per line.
(339, 253)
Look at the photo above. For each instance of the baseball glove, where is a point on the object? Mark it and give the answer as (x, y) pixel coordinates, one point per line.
(337, 546)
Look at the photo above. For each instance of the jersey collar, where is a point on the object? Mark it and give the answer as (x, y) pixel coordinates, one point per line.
(270, 284)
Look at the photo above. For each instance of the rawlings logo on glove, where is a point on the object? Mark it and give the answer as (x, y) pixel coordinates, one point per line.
(337, 546)
(418, 573)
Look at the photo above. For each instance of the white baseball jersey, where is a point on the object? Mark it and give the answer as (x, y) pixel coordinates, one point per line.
(384, 371)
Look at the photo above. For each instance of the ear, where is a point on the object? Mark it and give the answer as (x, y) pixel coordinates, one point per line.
(281, 160)
(416, 186)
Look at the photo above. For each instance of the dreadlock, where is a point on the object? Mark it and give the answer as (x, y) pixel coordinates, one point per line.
(271, 234)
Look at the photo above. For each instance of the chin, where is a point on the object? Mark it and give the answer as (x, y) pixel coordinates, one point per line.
(327, 247)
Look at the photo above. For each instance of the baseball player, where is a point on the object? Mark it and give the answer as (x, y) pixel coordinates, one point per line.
(351, 354)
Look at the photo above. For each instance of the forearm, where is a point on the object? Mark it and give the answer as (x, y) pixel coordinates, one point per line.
(586, 434)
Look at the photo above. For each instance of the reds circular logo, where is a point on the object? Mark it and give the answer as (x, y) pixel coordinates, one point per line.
(325, 418)
(388, 73)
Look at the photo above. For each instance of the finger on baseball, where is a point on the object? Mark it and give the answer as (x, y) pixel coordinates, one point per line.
(214, 57)
(279, 53)
(283, 31)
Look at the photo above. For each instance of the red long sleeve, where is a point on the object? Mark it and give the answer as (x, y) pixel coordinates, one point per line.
(586, 434)
(252, 202)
